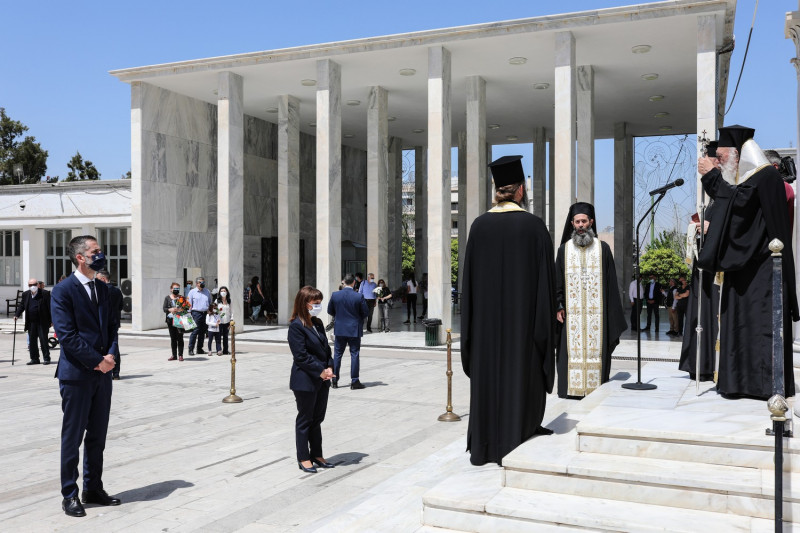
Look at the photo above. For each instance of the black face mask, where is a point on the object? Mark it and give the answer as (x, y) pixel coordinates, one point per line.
(202, 285)
(176, 291)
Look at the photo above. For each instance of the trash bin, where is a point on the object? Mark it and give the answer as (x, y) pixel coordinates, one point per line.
(433, 331)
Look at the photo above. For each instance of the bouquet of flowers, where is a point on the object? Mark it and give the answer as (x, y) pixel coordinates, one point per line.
(378, 291)
(182, 304)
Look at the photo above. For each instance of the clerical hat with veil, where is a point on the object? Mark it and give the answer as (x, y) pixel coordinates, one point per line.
(734, 136)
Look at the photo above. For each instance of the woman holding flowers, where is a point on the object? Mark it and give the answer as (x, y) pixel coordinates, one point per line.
(175, 306)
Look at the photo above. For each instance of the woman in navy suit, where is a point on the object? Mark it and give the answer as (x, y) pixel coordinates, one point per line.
(312, 371)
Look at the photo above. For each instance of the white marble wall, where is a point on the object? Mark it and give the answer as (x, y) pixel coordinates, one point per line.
(173, 189)
(288, 205)
(439, 145)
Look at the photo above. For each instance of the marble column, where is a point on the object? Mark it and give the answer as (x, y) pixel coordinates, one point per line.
(539, 189)
(462, 201)
(230, 188)
(623, 207)
(565, 102)
(439, 144)
(329, 176)
(706, 86)
(420, 211)
(489, 187)
(377, 182)
(395, 213)
(792, 31)
(585, 106)
(33, 259)
(551, 192)
(477, 182)
(135, 264)
(288, 205)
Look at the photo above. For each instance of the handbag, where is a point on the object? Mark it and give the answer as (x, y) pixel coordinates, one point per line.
(188, 322)
(176, 321)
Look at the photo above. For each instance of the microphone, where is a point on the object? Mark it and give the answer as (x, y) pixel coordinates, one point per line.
(661, 190)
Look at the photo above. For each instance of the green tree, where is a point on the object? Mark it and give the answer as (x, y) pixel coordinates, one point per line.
(671, 240)
(13, 151)
(664, 263)
(80, 169)
(126, 176)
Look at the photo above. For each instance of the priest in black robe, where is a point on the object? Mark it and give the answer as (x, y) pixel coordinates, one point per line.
(750, 212)
(507, 320)
(590, 315)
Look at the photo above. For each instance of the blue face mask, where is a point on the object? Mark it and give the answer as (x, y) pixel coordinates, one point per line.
(98, 261)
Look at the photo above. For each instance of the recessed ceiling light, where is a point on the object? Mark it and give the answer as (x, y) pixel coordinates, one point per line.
(418, 130)
(354, 102)
(517, 60)
(348, 135)
(407, 71)
(308, 83)
(665, 128)
(650, 77)
(662, 114)
(312, 124)
(512, 138)
(272, 110)
(641, 48)
(656, 98)
(541, 86)
(493, 126)
(391, 119)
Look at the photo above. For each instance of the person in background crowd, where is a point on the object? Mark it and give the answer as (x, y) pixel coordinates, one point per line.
(367, 290)
(681, 303)
(224, 309)
(652, 295)
(359, 279)
(423, 287)
(175, 305)
(212, 322)
(349, 310)
(774, 159)
(188, 288)
(36, 306)
(199, 299)
(383, 296)
(411, 299)
(115, 295)
(310, 377)
(668, 295)
(635, 302)
(256, 299)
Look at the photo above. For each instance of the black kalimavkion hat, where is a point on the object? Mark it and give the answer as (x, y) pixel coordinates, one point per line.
(579, 208)
(507, 170)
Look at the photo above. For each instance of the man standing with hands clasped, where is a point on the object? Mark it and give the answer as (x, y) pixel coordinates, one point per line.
(36, 306)
(87, 329)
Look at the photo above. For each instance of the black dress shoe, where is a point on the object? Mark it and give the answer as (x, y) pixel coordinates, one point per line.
(191, 352)
(357, 385)
(46, 362)
(323, 464)
(335, 383)
(312, 470)
(99, 497)
(34, 362)
(199, 351)
(72, 507)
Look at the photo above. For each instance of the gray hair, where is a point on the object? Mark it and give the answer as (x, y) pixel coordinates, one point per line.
(77, 246)
(773, 157)
(349, 279)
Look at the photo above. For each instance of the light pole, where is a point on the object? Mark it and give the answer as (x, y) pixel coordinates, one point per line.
(18, 172)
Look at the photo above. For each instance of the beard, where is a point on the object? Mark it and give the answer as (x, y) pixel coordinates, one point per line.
(729, 170)
(583, 239)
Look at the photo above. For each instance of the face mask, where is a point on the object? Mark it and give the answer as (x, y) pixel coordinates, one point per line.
(33, 289)
(315, 310)
(201, 285)
(176, 291)
(371, 280)
(98, 261)
(223, 293)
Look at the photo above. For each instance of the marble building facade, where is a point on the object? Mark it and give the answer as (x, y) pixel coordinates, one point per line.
(240, 163)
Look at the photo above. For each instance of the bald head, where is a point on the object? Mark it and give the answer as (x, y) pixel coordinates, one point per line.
(32, 281)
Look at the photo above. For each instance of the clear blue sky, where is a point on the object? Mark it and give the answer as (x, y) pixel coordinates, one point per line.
(57, 56)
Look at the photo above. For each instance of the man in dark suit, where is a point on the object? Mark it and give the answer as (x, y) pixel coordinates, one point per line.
(36, 306)
(652, 295)
(349, 309)
(87, 332)
(115, 295)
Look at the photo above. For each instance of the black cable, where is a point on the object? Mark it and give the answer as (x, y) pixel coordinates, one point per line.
(744, 59)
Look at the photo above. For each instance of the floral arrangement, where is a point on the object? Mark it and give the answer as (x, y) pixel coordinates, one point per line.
(182, 304)
(377, 291)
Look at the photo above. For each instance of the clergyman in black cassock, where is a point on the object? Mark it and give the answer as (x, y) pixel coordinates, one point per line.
(751, 212)
(507, 321)
(591, 315)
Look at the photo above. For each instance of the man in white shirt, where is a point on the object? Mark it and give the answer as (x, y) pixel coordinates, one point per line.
(636, 308)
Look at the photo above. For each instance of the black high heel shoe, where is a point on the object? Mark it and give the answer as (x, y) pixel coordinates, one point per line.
(311, 470)
(323, 464)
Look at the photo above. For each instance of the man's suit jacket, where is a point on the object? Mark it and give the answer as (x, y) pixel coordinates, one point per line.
(349, 309)
(311, 354)
(44, 308)
(86, 332)
(115, 296)
(657, 296)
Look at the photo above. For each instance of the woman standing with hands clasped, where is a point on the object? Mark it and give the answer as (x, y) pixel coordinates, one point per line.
(312, 371)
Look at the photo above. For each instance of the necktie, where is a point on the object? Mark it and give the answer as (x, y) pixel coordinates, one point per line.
(93, 294)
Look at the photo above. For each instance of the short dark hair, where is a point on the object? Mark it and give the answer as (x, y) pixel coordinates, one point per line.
(77, 246)
(360, 275)
(104, 273)
(349, 279)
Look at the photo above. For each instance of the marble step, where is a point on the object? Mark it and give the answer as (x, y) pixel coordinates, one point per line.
(516, 510)
(686, 485)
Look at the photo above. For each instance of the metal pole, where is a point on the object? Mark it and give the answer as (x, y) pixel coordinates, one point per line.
(449, 416)
(232, 398)
(699, 327)
(14, 342)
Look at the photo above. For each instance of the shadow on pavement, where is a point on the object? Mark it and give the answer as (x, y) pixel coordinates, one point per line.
(349, 458)
(156, 491)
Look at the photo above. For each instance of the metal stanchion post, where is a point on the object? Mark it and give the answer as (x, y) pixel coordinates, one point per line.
(232, 398)
(449, 416)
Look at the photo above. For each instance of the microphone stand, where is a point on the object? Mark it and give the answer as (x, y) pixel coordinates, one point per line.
(700, 288)
(639, 385)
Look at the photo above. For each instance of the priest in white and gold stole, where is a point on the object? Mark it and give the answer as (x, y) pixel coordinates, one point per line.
(590, 316)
